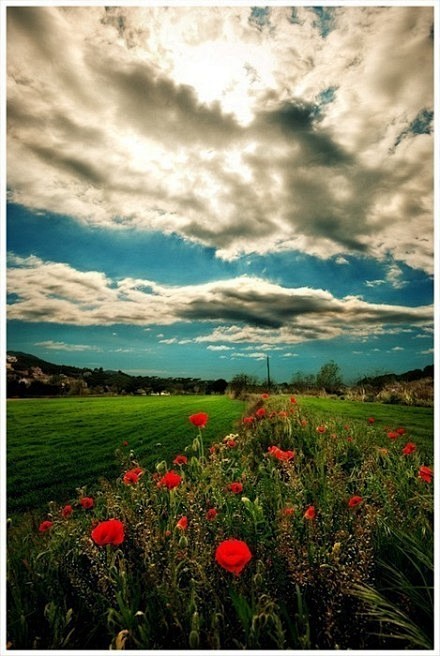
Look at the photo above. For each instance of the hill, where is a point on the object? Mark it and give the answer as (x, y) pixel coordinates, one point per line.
(408, 376)
(28, 375)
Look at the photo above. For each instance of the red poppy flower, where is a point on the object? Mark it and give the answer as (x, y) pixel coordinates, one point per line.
(310, 513)
(180, 460)
(426, 474)
(409, 448)
(67, 511)
(87, 502)
(170, 480)
(393, 435)
(400, 431)
(233, 555)
(200, 419)
(292, 399)
(236, 488)
(211, 514)
(45, 526)
(231, 444)
(349, 439)
(248, 420)
(280, 454)
(182, 524)
(283, 414)
(260, 412)
(125, 443)
(303, 422)
(130, 477)
(354, 501)
(371, 420)
(288, 511)
(265, 395)
(109, 532)
(321, 429)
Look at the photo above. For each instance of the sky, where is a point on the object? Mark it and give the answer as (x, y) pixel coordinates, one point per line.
(191, 190)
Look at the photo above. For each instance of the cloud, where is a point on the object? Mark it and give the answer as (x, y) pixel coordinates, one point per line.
(394, 274)
(248, 309)
(215, 124)
(374, 283)
(220, 347)
(62, 346)
(253, 356)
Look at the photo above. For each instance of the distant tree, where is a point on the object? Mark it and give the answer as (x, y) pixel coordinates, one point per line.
(329, 377)
(217, 386)
(301, 381)
(242, 383)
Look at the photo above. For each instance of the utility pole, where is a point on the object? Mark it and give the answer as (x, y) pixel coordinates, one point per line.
(268, 372)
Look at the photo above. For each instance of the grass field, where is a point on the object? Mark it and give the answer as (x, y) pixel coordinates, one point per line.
(56, 445)
(309, 528)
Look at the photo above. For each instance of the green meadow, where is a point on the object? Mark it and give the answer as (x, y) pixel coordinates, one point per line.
(56, 445)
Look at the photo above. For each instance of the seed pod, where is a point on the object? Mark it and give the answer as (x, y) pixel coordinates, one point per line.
(161, 466)
(194, 639)
(195, 622)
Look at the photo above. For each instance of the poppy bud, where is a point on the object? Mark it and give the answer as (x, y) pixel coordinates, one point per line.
(183, 542)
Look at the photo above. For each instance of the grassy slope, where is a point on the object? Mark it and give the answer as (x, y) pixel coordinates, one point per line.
(55, 445)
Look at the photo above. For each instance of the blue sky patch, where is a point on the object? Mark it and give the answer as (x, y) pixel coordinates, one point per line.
(325, 20)
(260, 16)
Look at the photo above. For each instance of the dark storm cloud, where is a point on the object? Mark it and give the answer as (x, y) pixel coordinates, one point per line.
(297, 125)
(79, 167)
(161, 109)
(243, 309)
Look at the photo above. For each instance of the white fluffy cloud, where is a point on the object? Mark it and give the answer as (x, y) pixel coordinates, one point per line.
(248, 309)
(245, 138)
(63, 346)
